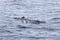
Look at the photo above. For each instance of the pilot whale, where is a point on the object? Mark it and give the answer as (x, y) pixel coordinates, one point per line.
(26, 20)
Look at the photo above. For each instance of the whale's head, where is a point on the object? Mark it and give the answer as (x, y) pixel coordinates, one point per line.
(22, 17)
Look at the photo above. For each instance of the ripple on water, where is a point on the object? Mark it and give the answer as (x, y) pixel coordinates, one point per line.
(56, 18)
(50, 29)
(39, 37)
(24, 27)
(5, 31)
(43, 28)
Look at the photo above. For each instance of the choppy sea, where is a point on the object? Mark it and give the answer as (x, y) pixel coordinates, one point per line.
(43, 10)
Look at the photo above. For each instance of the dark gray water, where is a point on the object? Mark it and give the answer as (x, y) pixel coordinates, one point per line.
(44, 10)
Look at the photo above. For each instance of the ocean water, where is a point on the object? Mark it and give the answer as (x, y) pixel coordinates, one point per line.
(43, 10)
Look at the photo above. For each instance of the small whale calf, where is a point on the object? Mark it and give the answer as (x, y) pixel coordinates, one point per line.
(25, 20)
